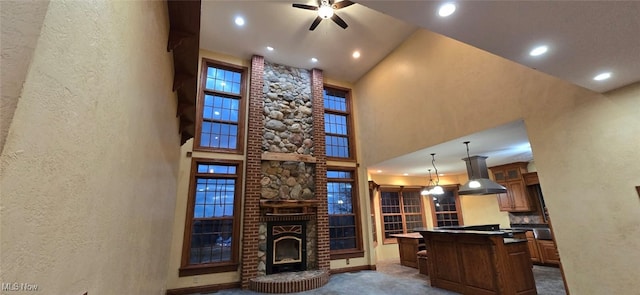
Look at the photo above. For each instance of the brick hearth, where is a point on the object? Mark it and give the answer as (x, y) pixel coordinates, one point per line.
(290, 282)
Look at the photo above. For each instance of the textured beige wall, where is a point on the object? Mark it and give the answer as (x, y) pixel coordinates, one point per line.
(585, 144)
(90, 164)
(20, 24)
(475, 209)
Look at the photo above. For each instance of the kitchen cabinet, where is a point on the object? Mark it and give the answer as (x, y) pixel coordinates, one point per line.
(516, 199)
(542, 251)
(478, 262)
(533, 247)
(531, 178)
(548, 252)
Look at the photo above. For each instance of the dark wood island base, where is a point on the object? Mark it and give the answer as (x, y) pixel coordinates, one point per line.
(478, 262)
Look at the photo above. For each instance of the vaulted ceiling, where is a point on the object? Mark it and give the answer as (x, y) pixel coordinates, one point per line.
(584, 38)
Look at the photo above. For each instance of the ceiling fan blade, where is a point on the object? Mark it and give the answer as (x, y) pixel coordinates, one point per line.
(305, 6)
(315, 23)
(342, 4)
(336, 19)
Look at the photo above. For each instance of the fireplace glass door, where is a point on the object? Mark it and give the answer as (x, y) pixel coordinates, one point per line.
(286, 247)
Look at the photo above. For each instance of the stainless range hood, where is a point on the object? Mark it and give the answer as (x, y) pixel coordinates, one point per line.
(477, 170)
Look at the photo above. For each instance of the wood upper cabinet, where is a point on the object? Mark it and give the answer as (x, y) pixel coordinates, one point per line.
(531, 178)
(517, 198)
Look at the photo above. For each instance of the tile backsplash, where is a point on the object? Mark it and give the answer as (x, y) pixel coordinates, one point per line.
(525, 218)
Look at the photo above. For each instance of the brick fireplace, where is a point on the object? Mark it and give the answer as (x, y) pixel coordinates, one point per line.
(285, 226)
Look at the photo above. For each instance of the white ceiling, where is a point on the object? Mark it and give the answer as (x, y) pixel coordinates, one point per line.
(286, 29)
(503, 144)
(584, 38)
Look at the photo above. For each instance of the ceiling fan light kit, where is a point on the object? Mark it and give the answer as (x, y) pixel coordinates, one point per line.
(326, 9)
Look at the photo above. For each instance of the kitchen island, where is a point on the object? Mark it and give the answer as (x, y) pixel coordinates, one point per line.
(478, 262)
(408, 245)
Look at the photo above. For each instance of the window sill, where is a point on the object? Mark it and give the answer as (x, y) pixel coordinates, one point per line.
(192, 270)
(217, 150)
(338, 159)
(344, 255)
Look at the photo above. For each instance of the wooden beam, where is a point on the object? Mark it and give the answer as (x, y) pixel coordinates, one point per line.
(176, 37)
(183, 106)
(180, 78)
(184, 123)
(184, 42)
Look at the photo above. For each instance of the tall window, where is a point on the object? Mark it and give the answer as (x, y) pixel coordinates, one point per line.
(344, 225)
(221, 108)
(212, 227)
(337, 123)
(445, 208)
(401, 211)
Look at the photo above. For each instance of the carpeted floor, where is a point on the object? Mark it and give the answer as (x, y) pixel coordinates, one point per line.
(393, 278)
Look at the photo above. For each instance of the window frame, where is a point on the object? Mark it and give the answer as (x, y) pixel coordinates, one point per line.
(187, 269)
(358, 251)
(242, 98)
(434, 214)
(399, 190)
(349, 117)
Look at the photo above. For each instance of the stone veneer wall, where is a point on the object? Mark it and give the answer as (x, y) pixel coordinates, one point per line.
(288, 121)
(287, 180)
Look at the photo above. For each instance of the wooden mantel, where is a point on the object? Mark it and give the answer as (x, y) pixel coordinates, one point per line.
(267, 156)
(276, 205)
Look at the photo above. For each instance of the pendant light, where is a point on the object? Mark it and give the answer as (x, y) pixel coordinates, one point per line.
(427, 190)
(437, 190)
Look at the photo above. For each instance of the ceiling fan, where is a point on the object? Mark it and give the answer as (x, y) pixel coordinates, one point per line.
(326, 9)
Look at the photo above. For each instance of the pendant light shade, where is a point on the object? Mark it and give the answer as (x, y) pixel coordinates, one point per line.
(427, 190)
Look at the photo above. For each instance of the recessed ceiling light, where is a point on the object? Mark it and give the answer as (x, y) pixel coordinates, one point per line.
(379, 171)
(356, 54)
(406, 174)
(269, 48)
(447, 9)
(602, 76)
(540, 50)
(239, 21)
(313, 59)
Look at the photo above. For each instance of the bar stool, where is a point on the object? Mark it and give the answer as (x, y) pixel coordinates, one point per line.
(422, 262)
